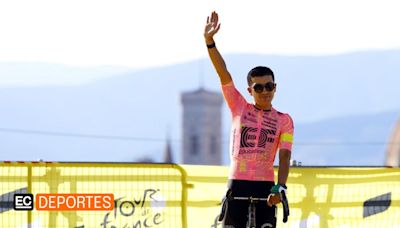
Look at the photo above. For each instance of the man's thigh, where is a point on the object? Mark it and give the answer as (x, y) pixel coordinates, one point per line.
(236, 214)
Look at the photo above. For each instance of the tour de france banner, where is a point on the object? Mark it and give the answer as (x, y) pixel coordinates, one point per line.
(133, 195)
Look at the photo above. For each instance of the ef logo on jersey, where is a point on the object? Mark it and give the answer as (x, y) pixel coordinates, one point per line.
(249, 137)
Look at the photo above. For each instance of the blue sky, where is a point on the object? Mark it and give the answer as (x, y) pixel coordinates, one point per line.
(142, 34)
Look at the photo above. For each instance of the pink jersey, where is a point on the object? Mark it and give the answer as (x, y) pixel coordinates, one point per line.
(256, 136)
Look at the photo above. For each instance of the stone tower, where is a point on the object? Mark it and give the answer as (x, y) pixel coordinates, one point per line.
(202, 125)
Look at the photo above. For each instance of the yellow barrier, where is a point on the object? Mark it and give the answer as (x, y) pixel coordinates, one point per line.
(169, 195)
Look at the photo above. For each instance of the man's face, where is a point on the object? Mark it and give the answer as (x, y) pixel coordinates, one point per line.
(262, 97)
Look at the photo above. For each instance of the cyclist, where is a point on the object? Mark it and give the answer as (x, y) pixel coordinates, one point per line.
(258, 131)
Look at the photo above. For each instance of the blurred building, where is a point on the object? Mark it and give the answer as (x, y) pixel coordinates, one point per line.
(393, 149)
(168, 158)
(144, 160)
(202, 125)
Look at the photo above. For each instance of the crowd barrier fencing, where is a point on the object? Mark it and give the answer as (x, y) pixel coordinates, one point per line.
(171, 195)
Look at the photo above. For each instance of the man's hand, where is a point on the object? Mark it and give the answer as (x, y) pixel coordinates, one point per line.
(273, 199)
(275, 196)
(212, 27)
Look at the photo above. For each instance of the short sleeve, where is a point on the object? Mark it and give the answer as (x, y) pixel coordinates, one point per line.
(233, 98)
(287, 130)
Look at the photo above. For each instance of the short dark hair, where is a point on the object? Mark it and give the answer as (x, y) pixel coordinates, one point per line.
(259, 71)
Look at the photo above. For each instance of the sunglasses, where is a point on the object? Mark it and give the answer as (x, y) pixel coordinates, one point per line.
(270, 86)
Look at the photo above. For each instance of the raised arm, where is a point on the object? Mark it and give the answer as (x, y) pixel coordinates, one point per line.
(210, 30)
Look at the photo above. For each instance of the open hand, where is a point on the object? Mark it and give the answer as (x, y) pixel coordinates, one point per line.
(212, 26)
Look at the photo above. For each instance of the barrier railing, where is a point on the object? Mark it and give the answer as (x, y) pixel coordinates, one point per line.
(170, 195)
(144, 193)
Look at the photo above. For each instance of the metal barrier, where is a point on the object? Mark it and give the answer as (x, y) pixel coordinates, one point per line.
(170, 195)
(144, 193)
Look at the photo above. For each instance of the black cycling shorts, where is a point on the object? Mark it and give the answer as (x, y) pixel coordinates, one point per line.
(237, 210)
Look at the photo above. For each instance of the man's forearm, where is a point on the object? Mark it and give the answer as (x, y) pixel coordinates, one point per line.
(219, 63)
(283, 171)
(284, 163)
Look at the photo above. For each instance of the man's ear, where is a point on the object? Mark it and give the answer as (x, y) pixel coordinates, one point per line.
(249, 90)
(275, 87)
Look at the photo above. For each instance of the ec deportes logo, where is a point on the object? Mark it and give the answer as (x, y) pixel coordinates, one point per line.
(64, 202)
(23, 202)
